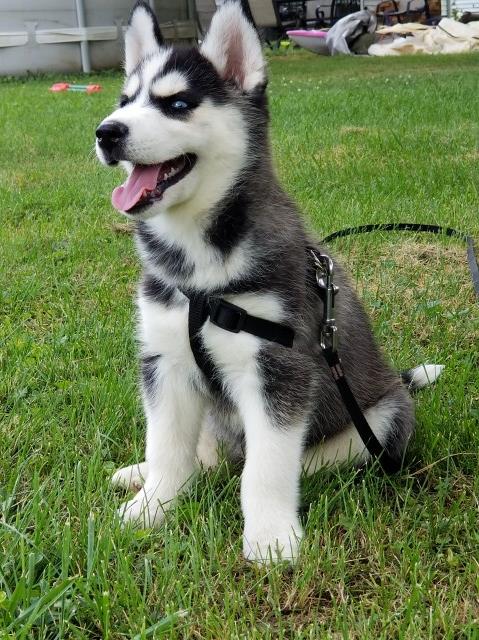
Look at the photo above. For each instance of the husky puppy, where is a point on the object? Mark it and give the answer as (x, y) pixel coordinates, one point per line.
(191, 129)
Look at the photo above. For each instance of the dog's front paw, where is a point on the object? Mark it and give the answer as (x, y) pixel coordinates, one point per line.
(269, 544)
(145, 511)
(132, 477)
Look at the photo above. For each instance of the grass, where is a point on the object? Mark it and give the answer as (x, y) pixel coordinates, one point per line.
(355, 141)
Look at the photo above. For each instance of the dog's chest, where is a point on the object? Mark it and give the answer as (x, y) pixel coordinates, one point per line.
(173, 264)
(163, 330)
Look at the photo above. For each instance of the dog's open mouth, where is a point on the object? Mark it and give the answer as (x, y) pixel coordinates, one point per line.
(147, 183)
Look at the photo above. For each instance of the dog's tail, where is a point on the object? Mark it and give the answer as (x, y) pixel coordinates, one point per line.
(421, 376)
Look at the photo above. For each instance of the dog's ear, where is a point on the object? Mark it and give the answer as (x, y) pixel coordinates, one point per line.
(143, 36)
(233, 46)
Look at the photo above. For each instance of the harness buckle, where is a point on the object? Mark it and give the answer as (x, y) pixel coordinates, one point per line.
(226, 315)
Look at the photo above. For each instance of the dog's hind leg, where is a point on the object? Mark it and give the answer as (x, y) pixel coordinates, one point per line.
(132, 477)
(207, 449)
(392, 421)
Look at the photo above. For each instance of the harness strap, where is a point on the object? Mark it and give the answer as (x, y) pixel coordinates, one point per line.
(231, 318)
(197, 316)
(235, 319)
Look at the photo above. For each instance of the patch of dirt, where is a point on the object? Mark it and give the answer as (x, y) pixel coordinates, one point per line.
(338, 153)
(123, 227)
(471, 155)
(412, 281)
(423, 261)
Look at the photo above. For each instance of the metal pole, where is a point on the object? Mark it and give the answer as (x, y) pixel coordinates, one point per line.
(84, 46)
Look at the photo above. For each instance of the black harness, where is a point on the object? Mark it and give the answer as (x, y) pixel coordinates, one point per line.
(232, 318)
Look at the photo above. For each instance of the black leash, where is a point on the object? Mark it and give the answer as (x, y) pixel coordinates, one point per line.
(232, 318)
(327, 291)
(389, 464)
(421, 228)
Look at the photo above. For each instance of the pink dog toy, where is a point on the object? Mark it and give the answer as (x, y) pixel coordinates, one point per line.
(65, 86)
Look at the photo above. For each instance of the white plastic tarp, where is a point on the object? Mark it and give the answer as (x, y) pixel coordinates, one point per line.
(448, 37)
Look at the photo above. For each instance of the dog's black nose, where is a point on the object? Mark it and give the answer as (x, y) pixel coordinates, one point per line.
(110, 134)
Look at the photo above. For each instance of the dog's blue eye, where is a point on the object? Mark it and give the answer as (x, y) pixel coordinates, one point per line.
(180, 105)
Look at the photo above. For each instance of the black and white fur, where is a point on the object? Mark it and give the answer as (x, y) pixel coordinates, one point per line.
(228, 227)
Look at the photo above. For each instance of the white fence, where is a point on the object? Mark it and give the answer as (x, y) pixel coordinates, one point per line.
(71, 35)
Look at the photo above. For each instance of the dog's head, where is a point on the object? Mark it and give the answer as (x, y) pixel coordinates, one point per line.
(185, 117)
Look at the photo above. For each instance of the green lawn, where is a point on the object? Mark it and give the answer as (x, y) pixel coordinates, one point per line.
(355, 141)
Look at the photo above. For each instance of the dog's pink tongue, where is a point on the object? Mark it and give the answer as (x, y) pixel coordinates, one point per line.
(141, 179)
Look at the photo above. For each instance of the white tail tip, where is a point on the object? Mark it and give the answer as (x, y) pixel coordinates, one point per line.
(423, 375)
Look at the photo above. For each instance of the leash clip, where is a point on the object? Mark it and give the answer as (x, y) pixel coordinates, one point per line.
(325, 281)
